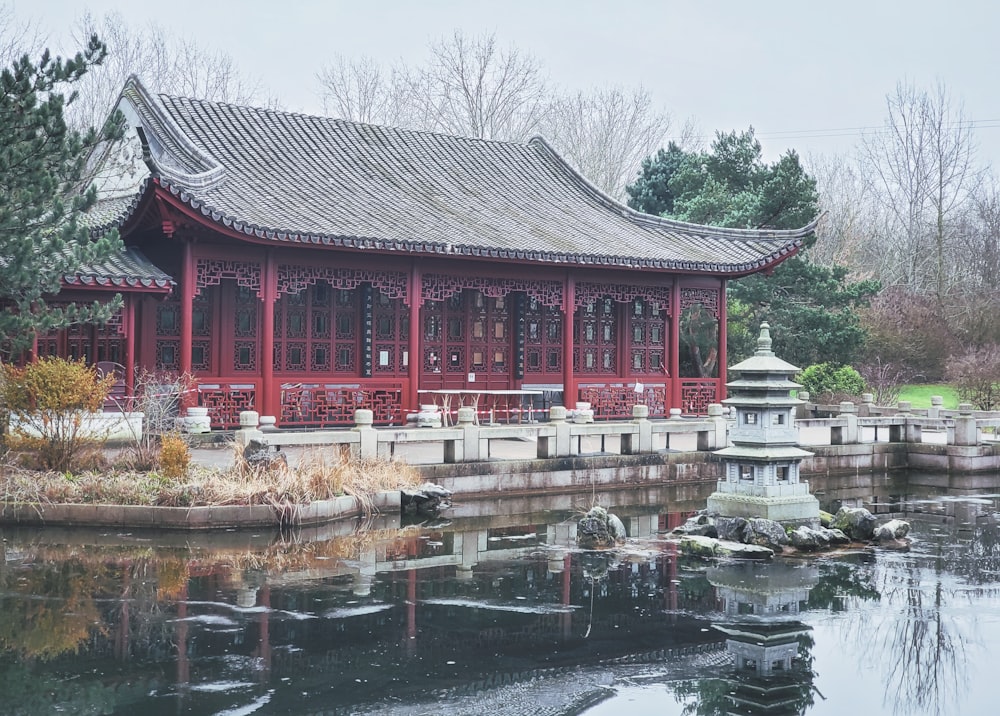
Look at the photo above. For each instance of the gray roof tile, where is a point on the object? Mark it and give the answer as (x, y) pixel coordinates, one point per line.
(297, 178)
(128, 269)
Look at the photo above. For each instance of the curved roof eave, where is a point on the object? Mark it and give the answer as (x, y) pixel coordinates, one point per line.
(238, 229)
(639, 217)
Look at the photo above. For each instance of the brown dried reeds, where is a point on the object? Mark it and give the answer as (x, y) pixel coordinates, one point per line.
(319, 475)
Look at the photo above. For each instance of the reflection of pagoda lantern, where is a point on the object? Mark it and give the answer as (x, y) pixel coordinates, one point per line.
(761, 468)
(762, 591)
(761, 605)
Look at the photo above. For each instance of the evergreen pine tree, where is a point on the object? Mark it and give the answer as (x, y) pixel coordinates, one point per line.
(812, 309)
(43, 191)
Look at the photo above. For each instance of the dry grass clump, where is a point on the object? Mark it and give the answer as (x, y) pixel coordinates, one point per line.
(320, 475)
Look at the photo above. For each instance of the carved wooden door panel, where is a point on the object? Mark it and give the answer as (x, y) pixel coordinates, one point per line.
(467, 340)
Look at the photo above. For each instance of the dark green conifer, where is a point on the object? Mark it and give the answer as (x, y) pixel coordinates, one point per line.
(44, 190)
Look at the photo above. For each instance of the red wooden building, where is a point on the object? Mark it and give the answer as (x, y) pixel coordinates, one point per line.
(305, 267)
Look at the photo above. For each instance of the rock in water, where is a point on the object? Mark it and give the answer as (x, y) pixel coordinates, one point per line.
(766, 533)
(856, 522)
(732, 529)
(891, 530)
(427, 499)
(599, 530)
(709, 548)
(700, 524)
(616, 528)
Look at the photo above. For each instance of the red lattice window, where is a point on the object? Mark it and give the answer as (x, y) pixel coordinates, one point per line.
(543, 341)
(647, 337)
(90, 342)
(595, 328)
(317, 330)
(225, 331)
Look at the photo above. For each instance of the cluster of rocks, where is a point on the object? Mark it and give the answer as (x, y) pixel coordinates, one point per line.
(861, 526)
(599, 529)
(850, 524)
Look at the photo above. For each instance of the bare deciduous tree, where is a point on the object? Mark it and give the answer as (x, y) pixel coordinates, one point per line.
(474, 88)
(362, 90)
(17, 36)
(920, 167)
(981, 236)
(607, 133)
(163, 62)
(470, 87)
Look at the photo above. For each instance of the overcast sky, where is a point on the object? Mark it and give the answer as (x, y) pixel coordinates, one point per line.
(806, 75)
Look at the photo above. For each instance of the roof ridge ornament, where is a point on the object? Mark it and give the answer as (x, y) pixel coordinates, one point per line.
(764, 341)
(169, 151)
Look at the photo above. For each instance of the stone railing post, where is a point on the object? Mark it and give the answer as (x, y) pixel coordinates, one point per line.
(966, 430)
(934, 412)
(364, 422)
(900, 433)
(557, 416)
(912, 432)
(718, 438)
(249, 422)
(641, 441)
(547, 443)
(846, 434)
(467, 449)
(802, 410)
(867, 401)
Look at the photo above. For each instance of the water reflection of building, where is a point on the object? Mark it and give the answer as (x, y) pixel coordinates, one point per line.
(771, 670)
(472, 603)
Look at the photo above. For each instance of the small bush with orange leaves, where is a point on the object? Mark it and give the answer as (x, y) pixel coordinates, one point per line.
(49, 400)
(175, 457)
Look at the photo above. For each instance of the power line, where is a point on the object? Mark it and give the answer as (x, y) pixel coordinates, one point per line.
(837, 132)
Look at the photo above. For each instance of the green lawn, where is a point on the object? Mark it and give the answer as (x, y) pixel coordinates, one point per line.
(920, 395)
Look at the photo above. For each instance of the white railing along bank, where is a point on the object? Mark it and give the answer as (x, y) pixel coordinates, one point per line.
(853, 424)
(470, 442)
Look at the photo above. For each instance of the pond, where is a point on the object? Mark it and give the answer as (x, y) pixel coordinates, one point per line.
(498, 613)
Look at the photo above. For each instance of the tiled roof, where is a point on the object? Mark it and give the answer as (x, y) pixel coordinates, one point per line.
(129, 269)
(303, 179)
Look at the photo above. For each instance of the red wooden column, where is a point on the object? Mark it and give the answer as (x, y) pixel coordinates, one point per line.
(720, 391)
(416, 297)
(675, 347)
(187, 305)
(569, 308)
(266, 403)
(130, 339)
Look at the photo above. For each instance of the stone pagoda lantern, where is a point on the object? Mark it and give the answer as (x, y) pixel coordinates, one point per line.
(761, 466)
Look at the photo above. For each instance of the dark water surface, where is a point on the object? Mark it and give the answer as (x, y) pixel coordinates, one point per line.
(497, 613)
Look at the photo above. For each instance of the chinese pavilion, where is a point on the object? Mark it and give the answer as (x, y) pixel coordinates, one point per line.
(305, 267)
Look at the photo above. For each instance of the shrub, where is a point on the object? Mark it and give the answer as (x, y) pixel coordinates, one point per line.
(825, 380)
(885, 380)
(910, 330)
(49, 399)
(175, 457)
(158, 396)
(976, 376)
